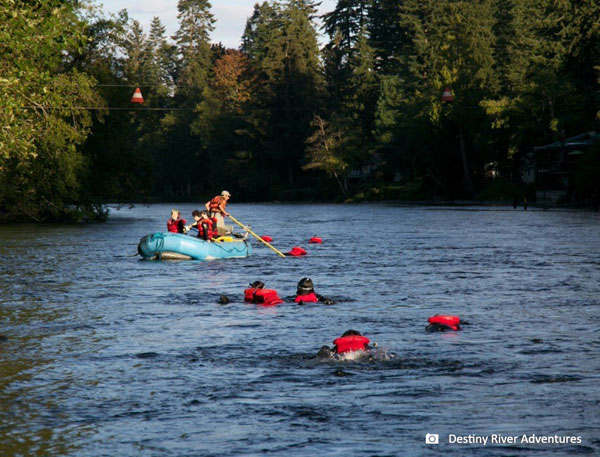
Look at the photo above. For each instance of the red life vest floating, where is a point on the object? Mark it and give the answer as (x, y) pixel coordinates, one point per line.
(315, 239)
(351, 343)
(307, 298)
(297, 251)
(445, 319)
(266, 238)
(137, 96)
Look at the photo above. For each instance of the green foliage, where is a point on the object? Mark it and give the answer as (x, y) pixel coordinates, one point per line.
(42, 121)
(276, 117)
(282, 46)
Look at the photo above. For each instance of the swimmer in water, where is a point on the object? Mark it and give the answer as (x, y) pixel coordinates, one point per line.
(444, 323)
(305, 293)
(257, 293)
(350, 345)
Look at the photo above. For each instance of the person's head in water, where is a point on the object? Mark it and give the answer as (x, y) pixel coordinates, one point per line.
(351, 332)
(258, 285)
(305, 286)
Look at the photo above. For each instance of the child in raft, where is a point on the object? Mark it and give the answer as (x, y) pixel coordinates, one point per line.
(176, 224)
(305, 293)
(351, 345)
(204, 224)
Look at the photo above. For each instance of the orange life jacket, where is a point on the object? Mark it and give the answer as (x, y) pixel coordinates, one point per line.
(215, 203)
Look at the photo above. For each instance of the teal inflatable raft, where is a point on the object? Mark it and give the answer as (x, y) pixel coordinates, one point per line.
(176, 246)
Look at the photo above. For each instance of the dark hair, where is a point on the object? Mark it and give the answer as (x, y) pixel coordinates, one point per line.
(351, 332)
(204, 213)
(257, 285)
(196, 213)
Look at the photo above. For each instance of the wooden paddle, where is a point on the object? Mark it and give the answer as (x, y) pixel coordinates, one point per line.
(254, 234)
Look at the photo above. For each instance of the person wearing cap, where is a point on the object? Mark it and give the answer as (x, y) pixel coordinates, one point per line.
(216, 208)
(175, 224)
(305, 293)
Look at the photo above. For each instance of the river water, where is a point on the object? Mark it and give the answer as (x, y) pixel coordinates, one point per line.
(109, 355)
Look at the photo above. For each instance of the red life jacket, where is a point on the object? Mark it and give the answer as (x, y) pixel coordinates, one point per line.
(265, 297)
(209, 226)
(351, 343)
(267, 238)
(315, 240)
(173, 226)
(445, 319)
(307, 298)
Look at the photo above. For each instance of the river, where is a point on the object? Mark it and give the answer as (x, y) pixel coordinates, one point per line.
(109, 355)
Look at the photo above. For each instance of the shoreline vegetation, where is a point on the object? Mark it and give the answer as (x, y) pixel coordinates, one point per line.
(551, 201)
(412, 101)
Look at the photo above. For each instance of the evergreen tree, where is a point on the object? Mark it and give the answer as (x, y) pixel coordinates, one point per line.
(536, 97)
(161, 62)
(138, 58)
(388, 32)
(261, 28)
(192, 38)
(290, 76)
(347, 19)
(451, 45)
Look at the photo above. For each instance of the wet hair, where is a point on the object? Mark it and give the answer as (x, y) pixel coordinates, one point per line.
(351, 332)
(305, 285)
(257, 285)
(196, 213)
(203, 213)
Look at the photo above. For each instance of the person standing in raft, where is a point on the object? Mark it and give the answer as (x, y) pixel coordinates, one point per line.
(305, 293)
(216, 208)
(204, 225)
(175, 224)
(350, 341)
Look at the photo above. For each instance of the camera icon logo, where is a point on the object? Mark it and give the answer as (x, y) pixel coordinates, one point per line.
(432, 438)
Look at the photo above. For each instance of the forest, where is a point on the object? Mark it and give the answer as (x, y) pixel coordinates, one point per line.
(415, 100)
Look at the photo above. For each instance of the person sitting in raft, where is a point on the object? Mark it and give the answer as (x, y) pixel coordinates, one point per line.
(216, 208)
(257, 293)
(204, 225)
(175, 224)
(350, 341)
(305, 293)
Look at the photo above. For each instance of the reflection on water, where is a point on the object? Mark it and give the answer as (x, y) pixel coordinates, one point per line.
(109, 355)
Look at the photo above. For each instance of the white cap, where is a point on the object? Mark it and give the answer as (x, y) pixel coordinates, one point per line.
(225, 194)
